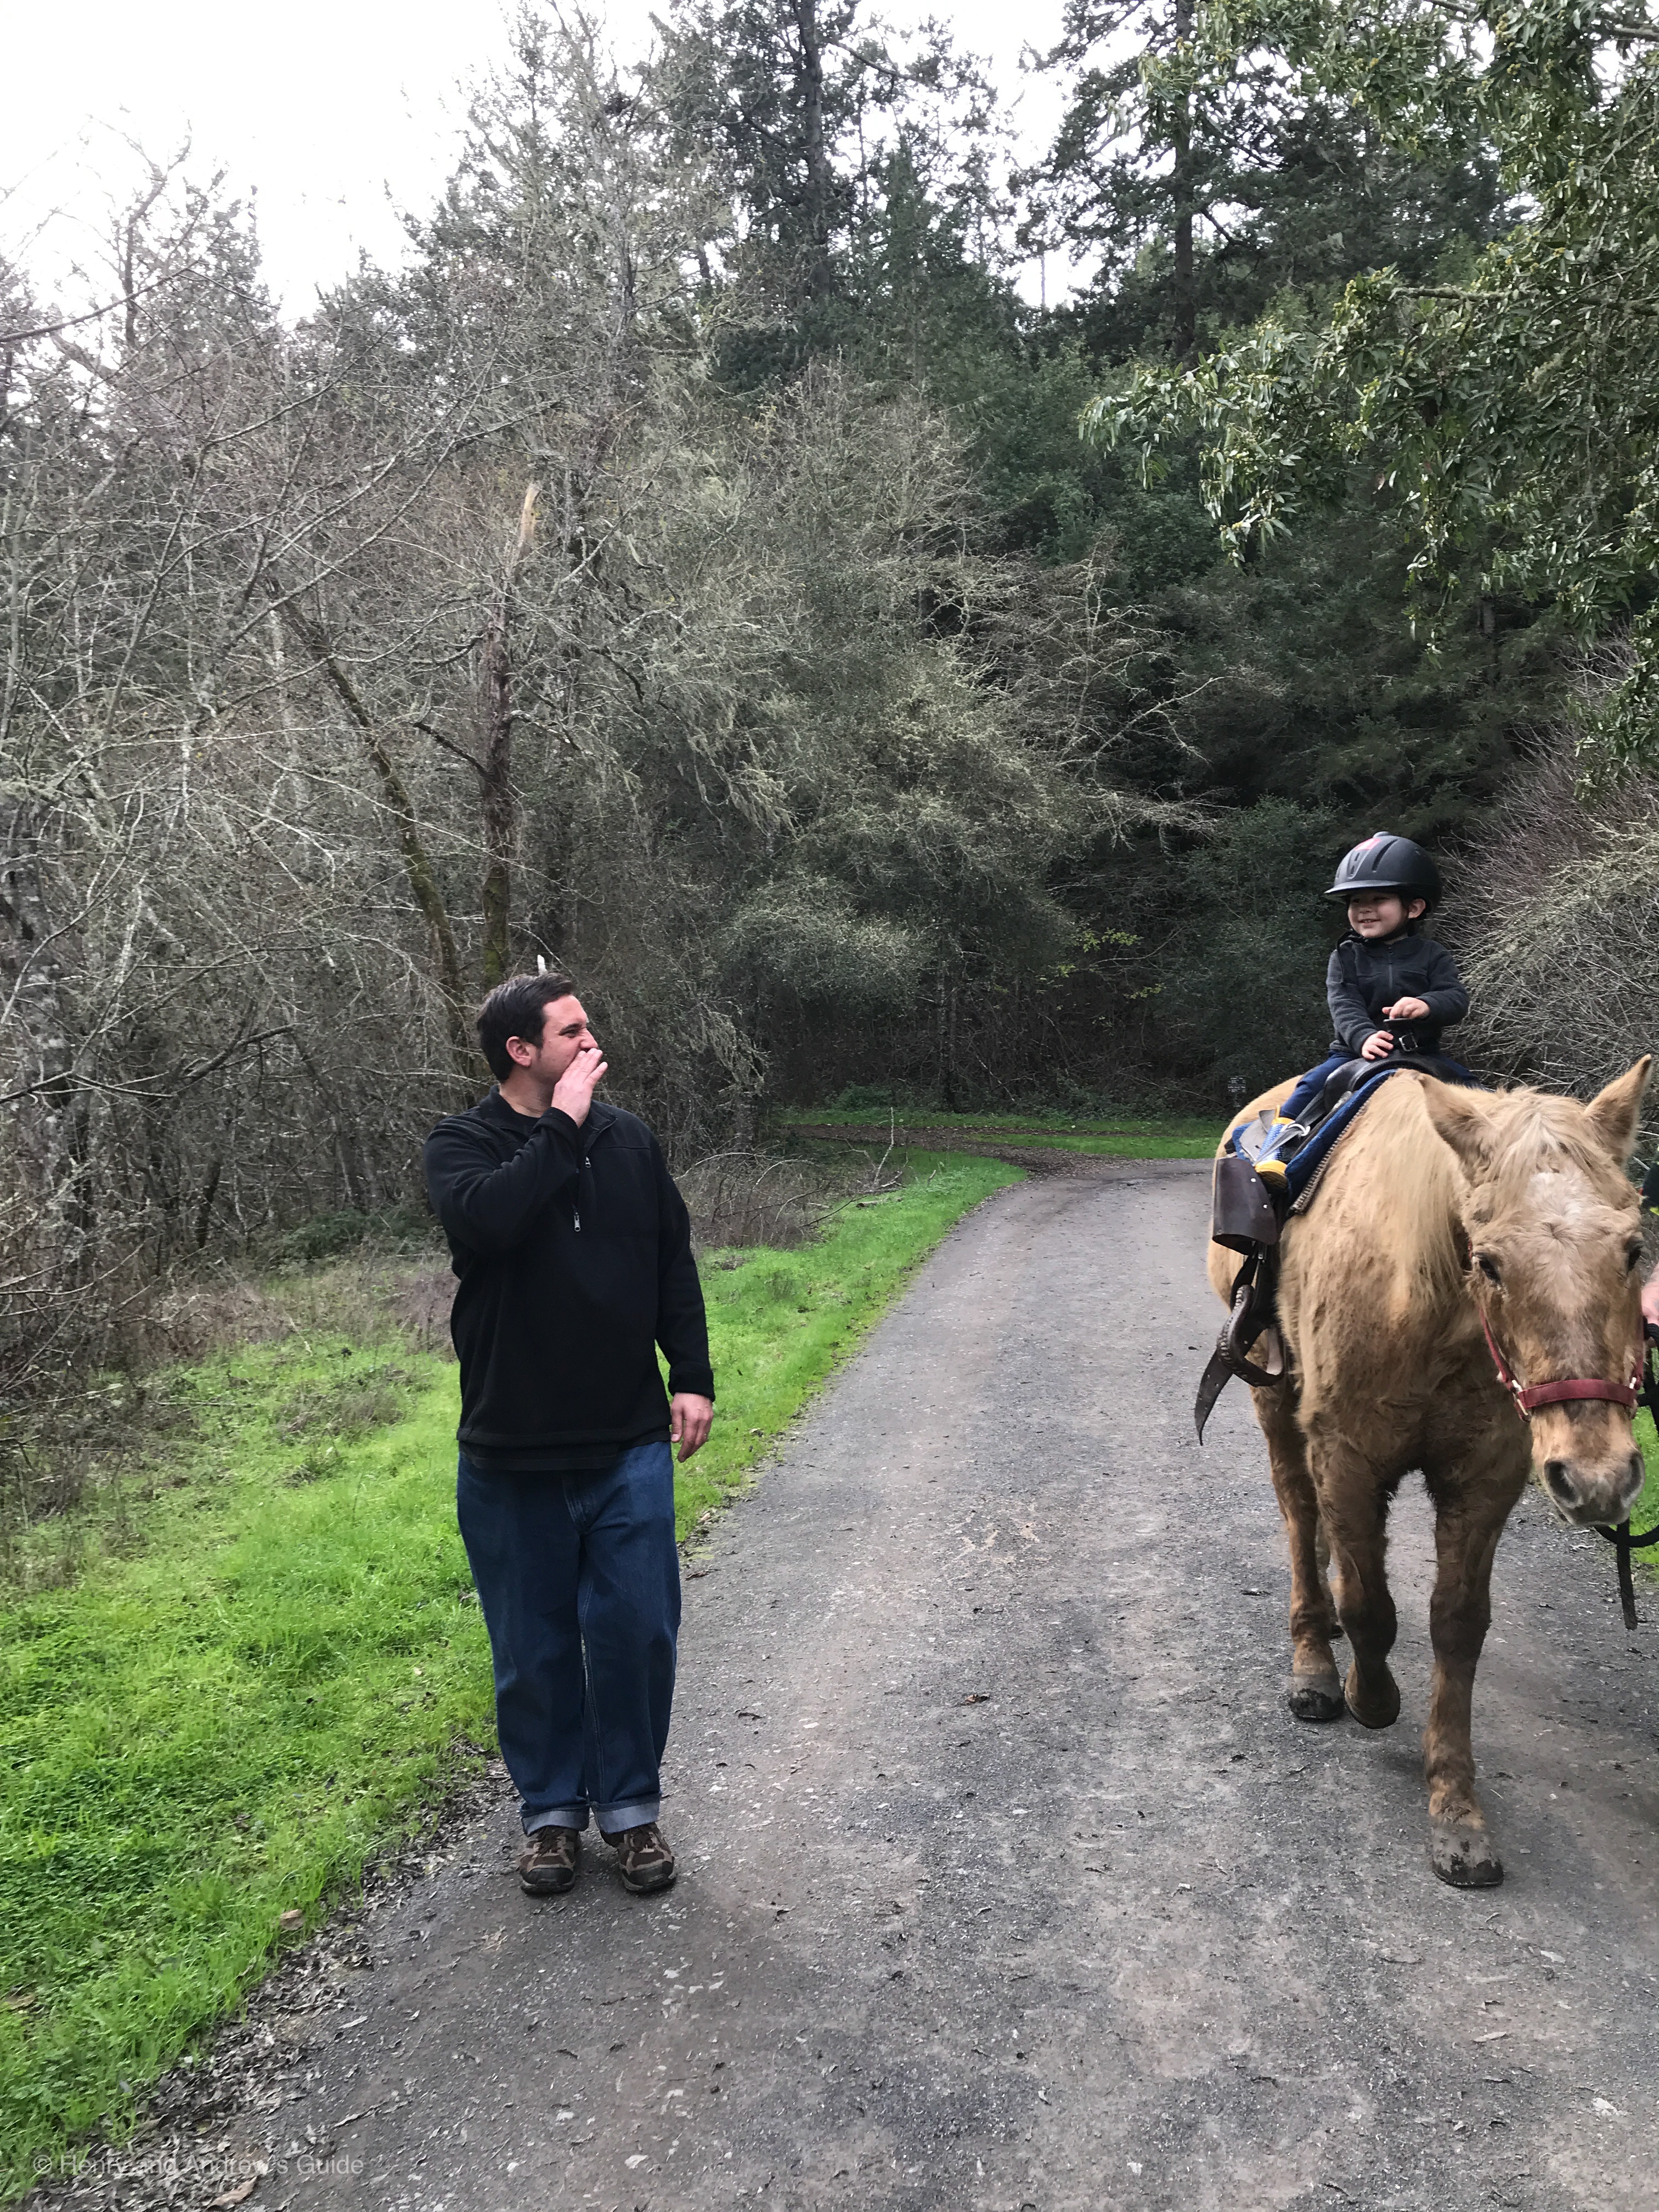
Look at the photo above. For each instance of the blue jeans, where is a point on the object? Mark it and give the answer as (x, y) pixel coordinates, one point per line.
(580, 1583)
(1309, 1085)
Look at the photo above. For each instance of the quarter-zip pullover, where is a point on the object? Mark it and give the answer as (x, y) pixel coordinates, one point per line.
(573, 1251)
(1365, 975)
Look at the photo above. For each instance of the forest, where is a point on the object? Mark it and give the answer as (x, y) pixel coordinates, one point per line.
(697, 564)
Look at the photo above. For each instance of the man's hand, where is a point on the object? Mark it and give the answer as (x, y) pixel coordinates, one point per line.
(1377, 1046)
(690, 1418)
(573, 1093)
(1407, 1010)
(1650, 1299)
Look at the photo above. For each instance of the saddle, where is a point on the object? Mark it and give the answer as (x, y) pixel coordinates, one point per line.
(1249, 1212)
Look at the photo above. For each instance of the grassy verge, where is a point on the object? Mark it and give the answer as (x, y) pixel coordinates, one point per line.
(266, 1661)
(1646, 1510)
(1122, 1136)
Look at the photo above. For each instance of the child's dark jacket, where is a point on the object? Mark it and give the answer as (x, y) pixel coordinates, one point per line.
(1362, 978)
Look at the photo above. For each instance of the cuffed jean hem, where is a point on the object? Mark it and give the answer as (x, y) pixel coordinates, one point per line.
(562, 1816)
(612, 1819)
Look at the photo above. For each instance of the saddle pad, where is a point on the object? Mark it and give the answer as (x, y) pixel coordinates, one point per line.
(1302, 1167)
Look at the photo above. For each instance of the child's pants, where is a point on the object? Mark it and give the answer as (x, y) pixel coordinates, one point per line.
(1309, 1085)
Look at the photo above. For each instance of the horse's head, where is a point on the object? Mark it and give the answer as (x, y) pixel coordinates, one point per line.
(1554, 1237)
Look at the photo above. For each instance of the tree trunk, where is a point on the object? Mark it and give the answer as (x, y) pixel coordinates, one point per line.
(204, 1203)
(495, 717)
(1182, 183)
(49, 1133)
(417, 864)
(818, 274)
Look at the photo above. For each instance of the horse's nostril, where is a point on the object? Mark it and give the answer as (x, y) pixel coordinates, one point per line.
(1558, 1477)
(1639, 1474)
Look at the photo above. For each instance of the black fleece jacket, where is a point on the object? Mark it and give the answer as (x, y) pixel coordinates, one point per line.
(574, 1252)
(1365, 977)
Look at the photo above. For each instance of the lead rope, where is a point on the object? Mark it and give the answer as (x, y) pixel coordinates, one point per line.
(1621, 1538)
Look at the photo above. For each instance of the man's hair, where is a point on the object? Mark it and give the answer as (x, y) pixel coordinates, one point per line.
(518, 1008)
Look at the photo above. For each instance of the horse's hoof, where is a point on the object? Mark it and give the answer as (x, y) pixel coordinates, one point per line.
(1316, 1697)
(1377, 1708)
(1464, 1855)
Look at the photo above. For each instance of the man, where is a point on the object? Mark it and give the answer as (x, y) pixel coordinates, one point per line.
(574, 1251)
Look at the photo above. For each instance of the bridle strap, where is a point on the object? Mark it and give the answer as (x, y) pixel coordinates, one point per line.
(1558, 1393)
(1528, 1397)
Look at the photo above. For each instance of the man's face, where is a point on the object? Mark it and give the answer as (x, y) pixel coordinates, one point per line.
(564, 1032)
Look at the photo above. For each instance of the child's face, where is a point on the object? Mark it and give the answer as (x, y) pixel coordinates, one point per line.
(1382, 913)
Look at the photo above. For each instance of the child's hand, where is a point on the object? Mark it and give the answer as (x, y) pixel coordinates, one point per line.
(1377, 1046)
(1407, 1010)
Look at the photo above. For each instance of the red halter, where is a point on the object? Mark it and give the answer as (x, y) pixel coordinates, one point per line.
(1528, 1398)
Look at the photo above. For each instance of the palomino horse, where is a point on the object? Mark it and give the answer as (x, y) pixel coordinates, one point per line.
(1439, 1209)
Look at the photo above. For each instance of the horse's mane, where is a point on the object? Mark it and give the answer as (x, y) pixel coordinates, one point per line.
(1536, 1129)
(1412, 1189)
(1412, 1182)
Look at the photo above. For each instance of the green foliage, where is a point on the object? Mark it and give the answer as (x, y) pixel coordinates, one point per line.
(835, 143)
(1202, 178)
(721, 600)
(219, 1728)
(1644, 1514)
(1300, 681)
(1123, 1135)
(1508, 407)
(1246, 993)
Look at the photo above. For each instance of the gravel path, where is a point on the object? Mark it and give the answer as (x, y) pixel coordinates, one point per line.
(1007, 1880)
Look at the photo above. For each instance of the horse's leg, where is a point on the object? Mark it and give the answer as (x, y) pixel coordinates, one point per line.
(1470, 1511)
(1323, 1549)
(1353, 1500)
(1315, 1691)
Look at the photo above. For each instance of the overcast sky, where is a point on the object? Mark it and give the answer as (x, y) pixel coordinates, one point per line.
(333, 113)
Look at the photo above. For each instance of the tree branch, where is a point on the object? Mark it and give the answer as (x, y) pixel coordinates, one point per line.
(93, 314)
(450, 746)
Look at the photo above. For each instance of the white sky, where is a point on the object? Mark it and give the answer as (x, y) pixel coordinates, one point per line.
(332, 113)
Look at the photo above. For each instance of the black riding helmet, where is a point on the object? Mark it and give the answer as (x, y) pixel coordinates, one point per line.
(1386, 863)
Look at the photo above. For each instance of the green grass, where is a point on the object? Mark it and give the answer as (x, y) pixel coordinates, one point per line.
(1121, 1136)
(1646, 1510)
(271, 1659)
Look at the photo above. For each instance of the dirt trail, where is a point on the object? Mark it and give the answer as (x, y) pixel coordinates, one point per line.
(988, 1145)
(1008, 1882)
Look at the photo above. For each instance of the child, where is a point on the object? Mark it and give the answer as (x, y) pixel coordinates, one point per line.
(1390, 990)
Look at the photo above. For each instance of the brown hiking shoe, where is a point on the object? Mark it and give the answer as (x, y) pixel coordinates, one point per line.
(643, 1858)
(547, 1865)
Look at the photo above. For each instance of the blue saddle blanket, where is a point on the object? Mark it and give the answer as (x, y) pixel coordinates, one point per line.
(1304, 1165)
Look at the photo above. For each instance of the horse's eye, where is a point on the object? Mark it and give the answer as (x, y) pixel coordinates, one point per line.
(1633, 1258)
(1488, 1267)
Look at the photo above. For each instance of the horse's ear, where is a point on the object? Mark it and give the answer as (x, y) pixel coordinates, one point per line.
(1615, 1112)
(1459, 1116)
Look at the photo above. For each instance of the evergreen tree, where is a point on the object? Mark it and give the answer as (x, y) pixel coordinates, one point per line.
(1203, 183)
(837, 150)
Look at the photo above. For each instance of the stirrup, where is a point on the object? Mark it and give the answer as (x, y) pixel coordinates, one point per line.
(1251, 1321)
(1246, 1326)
